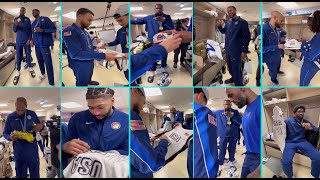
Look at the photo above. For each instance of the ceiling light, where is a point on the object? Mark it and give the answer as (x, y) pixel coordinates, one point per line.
(54, 2)
(52, 16)
(178, 13)
(140, 15)
(71, 105)
(182, 5)
(152, 92)
(186, 9)
(6, 112)
(136, 8)
(3, 105)
(47, 105)
(15, 11)
(71, 15)
(288, 5)
(163, 107)
(40, 110)
(239, 14)
(58, 8)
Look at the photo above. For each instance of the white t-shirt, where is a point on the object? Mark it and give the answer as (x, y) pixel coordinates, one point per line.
(98, 164)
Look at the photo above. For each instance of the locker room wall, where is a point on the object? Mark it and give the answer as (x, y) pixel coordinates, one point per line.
(6, 27)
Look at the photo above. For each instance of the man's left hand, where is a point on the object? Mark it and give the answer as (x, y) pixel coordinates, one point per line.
(38, 127)
(244, 57)
(307, 126)
(37, 29)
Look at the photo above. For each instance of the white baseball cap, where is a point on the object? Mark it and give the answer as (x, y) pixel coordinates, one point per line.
(122, 10)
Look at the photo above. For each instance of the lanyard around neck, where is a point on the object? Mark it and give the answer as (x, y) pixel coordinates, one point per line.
(275, 31)
(24, 126)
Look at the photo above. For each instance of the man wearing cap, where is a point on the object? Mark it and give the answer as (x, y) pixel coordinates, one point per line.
(155, 24)
(206, 161)
(228, 123)
(295, 140)
(22, 28)
(25, 153)
(81, 51)
(121, 16)
(102, 127)
(145, 159)
(251, 128)
(42, 29)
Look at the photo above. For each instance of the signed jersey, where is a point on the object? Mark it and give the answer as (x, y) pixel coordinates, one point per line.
(98, 164)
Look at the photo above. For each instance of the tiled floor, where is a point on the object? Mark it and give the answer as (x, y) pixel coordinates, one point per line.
(176, 168)
(292, 74)
(27, 80)
(299, 171)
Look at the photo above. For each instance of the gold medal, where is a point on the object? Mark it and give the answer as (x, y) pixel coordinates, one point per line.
(303, 124)
(35, 30)
(228, 122)
(160, 28)
(18, 19)
(89, 46)
(127, 46)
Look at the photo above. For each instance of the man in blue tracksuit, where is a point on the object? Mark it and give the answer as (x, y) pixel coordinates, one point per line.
(156, 23)
(102, 127)
(295, 140)
(237, 42)
(206, 160)
(166, 118)
(22, 28)
(25, 153)
(250, 126)
(121, 16)
(177, 116)
(271, 45)
(228, 123)
(282, 36)
(145, 159)
(81, 51)
(311, 51)
(42, 29)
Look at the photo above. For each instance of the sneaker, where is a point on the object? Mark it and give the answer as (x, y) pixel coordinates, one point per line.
(94, 83)
(175, 65)
(162, 78)
(229, 164)
(275, 82)
(41, 78)
(150, 79)
(166, 82)
(229, 81)
(281, 73)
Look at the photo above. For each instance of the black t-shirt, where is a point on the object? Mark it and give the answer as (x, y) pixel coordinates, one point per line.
(55, 140)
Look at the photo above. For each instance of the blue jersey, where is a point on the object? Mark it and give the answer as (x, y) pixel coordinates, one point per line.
(206, 161)
(22, 149)
(108, 134)
(121, 38)
(23, 29)
(228, 130)
(237, 36)
(153, 26)
(43, 39)
(79, 45)
(143, 61)
(295, 131)
(251, 126)
(145, 159)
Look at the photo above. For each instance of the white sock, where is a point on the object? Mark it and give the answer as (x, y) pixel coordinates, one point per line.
(17, 73)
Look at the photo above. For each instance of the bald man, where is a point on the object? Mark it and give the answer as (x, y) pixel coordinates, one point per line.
(251, 128)
(272, 45)
(25, 153)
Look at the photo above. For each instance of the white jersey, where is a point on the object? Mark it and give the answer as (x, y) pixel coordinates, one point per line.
(214, 51)
(178, 141)
(98, 164)
(279, 128)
